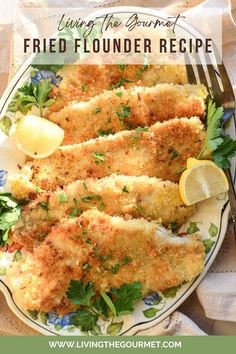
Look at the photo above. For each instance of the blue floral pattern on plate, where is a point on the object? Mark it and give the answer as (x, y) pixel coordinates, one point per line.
(46, 75)
(3, 178)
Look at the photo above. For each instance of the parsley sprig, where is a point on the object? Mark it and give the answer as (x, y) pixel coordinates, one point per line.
(10, 210)
(221, 147)
(106, 305)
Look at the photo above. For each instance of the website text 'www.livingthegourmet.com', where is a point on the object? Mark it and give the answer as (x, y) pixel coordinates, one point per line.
(113, 344)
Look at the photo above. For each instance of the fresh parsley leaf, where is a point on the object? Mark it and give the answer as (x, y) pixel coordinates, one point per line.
(86, 266)
(126, 260)
(80, 294)
(126, 296)
(44, 206)
(5, 124)
(31, 95)
(220, 146)
(84, 319)
(224, 152)
(213, 131)
(109, 303)
(85, 186)
(99, 158)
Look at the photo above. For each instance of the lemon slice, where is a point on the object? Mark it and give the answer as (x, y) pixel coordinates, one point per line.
(201, 180)
(37, 137)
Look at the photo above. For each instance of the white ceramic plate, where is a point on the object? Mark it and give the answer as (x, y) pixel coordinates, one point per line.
(213, 211)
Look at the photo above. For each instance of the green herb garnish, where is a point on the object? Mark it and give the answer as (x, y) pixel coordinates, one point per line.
(221, 147)
(208, 243)
(105, 132)
(120, 83)
(44, 206)
(119, 93)
(89, 198)
(63, 198)
(122, 67)
(84, 88)
(98, 110)
(10, 209)
(125, 189)
(173, 155)
(99, 158)
(92, 306)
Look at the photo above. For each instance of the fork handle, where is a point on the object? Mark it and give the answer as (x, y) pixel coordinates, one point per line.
(232, 195)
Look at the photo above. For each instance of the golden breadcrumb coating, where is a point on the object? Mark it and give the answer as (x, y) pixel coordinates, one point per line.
(160, 152)
(157, 259)
(130, 197)
(121, 109)
(80, 82)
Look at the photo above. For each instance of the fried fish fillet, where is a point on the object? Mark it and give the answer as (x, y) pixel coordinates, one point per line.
(156, 258)
(117, 110)
(126, 196)
(160, 152)
(81, 82)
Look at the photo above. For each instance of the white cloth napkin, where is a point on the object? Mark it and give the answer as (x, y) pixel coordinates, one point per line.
(217, 291)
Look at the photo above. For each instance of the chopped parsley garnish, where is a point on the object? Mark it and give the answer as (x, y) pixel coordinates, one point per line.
(120, 83)
(92, 306)
(221, 147)
(85, 186)
(86, 266)
(115, 268)
(44, 206)
(124, 113)
(89, 198)
(76, 211)
(63, 198)
(173, 155)
(140, 129)
(84, 88)
(173, 226)
(99, 158)
(10, 209)
(140, 71)
(98, 110)
(105, 132)
(126, 260)
(119, 93)
(38, 189)
(122, 67)
(125, 189)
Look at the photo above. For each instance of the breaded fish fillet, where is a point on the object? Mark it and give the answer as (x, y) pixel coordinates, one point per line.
(159, 152)
(117, 110)
(80, 82)
(127, 196)
(153, 257)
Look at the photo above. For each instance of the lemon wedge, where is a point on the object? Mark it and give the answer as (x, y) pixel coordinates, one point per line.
(201, 180)
(37, 137)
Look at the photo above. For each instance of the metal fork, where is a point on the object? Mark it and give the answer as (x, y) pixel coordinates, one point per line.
(216, 79)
